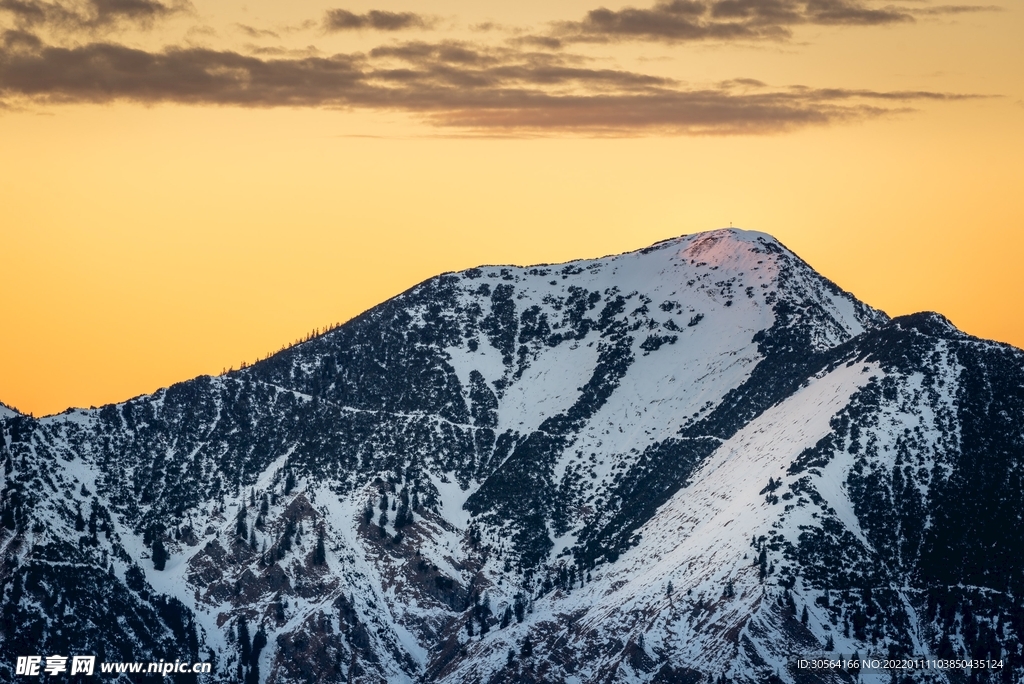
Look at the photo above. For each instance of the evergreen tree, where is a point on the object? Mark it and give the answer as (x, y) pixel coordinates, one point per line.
(244, 644)
(519, 606)
(403, 517)
(320, 553)
(258, 642)
(7, 517)
(241, 530)
(93, 518)
(279, 610)
(945, 649)
(159, 555)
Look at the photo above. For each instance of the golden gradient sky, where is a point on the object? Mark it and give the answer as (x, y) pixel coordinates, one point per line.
(185, 187)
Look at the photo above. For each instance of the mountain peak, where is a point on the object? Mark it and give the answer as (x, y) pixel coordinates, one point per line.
(729, 247)
(730, 234)
(719, 247)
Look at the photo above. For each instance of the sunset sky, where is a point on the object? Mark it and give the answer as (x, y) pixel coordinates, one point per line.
(187, 186)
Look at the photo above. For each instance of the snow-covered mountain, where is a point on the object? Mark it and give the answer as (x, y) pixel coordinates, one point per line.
(695, 461)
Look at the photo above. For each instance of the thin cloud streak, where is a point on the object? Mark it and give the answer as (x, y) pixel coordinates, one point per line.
(254, 32)
(957, 9)
(447, 84)
(344, 20)
(675, 21)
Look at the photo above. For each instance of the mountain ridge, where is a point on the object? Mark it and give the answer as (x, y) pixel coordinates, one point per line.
(486, 460)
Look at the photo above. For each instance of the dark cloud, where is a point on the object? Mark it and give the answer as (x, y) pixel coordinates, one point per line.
(446, 51)
(104, 72)
(15, 42)
(680, 20)
(549, 42)
(278, 51)
(303, 26)
(88, 14)
(254, 32)
(852, 13)
(956, 9)
(133, 10)
(480, 89)
(343, 20)
(30, 13)
(742, 20)
(747, 82)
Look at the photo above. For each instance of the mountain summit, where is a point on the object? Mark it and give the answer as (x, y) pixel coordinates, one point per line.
(697, 461)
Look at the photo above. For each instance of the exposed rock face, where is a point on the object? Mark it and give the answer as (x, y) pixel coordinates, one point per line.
(693, 461)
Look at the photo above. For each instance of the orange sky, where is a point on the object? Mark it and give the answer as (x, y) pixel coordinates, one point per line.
(194, 186)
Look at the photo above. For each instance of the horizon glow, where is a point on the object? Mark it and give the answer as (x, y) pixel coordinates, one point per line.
(156, 227)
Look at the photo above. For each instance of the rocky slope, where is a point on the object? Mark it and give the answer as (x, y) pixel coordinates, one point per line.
(696, 461)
